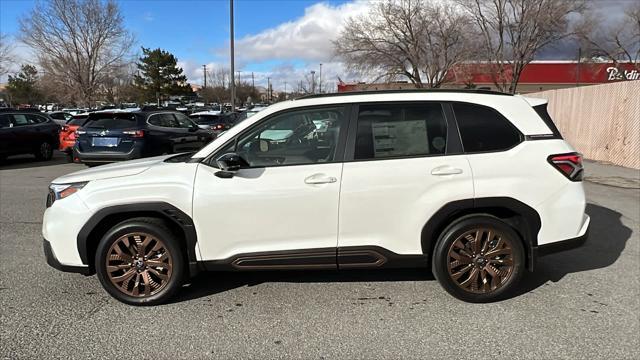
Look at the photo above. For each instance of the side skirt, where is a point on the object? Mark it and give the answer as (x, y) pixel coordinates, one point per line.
(354, 257)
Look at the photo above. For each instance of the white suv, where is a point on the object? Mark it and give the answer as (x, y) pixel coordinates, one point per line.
(474, 184)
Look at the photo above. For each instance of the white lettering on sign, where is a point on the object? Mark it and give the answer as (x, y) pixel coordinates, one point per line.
(615, 74)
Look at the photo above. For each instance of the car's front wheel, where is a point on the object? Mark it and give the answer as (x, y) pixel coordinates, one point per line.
(139, 262)
(479, 259)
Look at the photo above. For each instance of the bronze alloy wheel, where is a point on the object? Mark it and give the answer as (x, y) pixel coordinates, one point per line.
(139, 264)
(481, 260)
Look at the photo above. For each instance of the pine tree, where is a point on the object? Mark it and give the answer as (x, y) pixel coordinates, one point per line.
(23, 87)
(159, 75)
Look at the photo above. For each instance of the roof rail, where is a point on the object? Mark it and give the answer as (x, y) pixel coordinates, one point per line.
(401, 91)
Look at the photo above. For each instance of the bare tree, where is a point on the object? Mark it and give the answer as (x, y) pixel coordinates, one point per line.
(6, 57)
(513, 31)
(416, 39)
(79, 43)
(617, 42)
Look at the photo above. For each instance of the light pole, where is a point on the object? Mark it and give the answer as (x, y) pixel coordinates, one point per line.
(269, 89)
(320, 80)
(285, 90)
(232, 83)
(313, 81)
(204, 69)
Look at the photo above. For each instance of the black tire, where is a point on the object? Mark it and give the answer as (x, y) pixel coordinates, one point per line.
(157, 229)
(44, 151)
(458, 280)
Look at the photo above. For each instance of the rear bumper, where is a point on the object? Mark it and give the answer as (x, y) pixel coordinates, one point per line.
(564, 245)
(107, 156)
(54, 263)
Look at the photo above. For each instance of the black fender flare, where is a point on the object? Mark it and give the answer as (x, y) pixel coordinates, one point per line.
(527, 223)
(161, 209)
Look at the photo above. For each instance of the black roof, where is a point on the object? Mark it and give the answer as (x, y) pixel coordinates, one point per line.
(404, 91)
(32, 110)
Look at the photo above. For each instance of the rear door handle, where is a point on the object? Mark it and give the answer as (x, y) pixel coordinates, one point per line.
(445, 170)
(319, 179)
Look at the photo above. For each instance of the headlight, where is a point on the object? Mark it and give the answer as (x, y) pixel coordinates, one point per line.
(61, 191)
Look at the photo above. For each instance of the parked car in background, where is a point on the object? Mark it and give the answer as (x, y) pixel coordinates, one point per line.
(60, 117)
(254, 111)
(27, 132)
(215, 121)
(73, 111)
(68, 133)
(109, 136)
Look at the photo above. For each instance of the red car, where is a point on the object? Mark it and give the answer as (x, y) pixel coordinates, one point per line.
(68, 132)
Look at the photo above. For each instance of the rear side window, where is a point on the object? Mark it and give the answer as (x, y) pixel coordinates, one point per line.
(483, 129)
(400, 130)
(36, 119)
(112, 121)
(77, 121)
(19, 119)
(544, 114)
(163, 120)
(206, 119)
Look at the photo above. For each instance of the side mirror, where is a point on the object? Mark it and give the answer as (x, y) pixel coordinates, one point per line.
(229, 163)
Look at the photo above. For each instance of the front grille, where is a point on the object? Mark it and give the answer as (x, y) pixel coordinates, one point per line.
(51, 197)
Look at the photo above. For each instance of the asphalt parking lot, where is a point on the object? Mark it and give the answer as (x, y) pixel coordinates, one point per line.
(583, 303)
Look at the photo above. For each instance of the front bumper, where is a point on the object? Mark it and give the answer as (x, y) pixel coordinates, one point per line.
(54, 263)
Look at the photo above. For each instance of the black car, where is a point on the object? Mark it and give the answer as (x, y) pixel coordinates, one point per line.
(214, 121)
(60, 117)
(117, 136)
(27, 132)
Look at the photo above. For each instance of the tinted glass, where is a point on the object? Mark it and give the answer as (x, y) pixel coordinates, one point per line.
(292, 138)
(389, 131)
(19, 119)
(77, 121)
(4, 121)
(112, 121)
(206, 119)
(183, 121)
(35, 119)
(164, 120)
(484, 129)
(544, 114)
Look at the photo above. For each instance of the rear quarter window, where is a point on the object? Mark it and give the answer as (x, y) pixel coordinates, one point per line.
(483, 129)
(544, 115)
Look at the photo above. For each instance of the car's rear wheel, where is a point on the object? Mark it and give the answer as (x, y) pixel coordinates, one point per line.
(44, 151)
(139, 262)
(479, 259)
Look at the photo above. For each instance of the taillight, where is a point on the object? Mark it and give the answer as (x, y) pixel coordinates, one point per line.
(570, 165)
(218, 127)
(134, 133)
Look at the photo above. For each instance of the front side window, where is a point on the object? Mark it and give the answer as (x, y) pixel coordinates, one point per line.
(484, 129)
(292, 138)
(400, 130)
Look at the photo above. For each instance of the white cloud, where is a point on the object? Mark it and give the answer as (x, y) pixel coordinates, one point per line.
(307, 38)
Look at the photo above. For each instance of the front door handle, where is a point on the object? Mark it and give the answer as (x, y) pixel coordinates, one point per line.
(445, 170)
(319, 179)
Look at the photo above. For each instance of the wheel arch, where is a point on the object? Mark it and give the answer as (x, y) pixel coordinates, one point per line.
(520, 216)
(104, 219)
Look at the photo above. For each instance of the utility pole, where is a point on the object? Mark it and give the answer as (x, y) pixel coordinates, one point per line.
(578, 66)
(253, 83)
(320, 80)
(313, 81)
(269, 89)
(204, 69)
(239, 77)
(232, 83)
(285, 90)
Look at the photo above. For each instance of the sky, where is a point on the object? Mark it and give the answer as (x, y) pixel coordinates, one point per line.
(283, 39)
